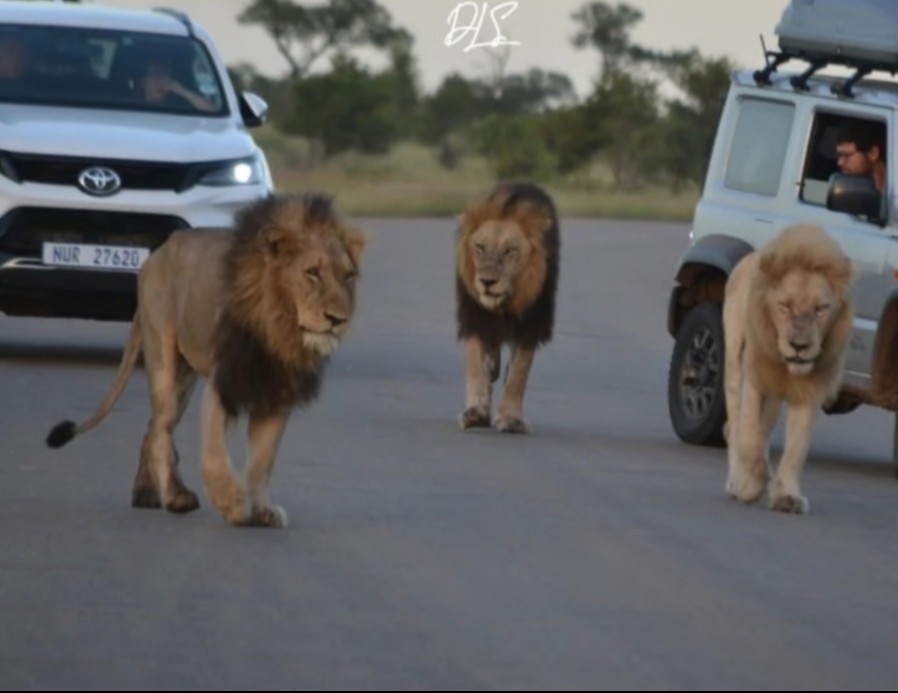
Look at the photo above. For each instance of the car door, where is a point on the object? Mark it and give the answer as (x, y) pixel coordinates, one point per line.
(871, 246)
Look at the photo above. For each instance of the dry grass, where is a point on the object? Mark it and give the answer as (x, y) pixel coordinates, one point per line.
(409, 182)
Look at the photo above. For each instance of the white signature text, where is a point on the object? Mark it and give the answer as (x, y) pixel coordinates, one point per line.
(477, 13)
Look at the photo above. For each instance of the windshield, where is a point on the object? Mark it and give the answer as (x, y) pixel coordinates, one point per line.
(94, 68)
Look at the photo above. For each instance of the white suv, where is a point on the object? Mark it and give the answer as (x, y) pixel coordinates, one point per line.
(774, 163)
(116, 128)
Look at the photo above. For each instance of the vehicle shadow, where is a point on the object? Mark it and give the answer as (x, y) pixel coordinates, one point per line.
(44, 353)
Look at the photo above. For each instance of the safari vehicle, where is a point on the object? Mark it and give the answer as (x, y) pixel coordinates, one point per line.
(774, 163)
(116, 128)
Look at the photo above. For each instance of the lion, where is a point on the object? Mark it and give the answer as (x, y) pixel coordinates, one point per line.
(507, 253)
(787, 319)
(257, 310)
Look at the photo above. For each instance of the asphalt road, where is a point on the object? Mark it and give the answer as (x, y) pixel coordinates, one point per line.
(597, 553)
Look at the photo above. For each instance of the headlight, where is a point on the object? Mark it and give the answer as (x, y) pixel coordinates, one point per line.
(240, 172)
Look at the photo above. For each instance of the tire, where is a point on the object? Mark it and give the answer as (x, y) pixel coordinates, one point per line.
(695, 394)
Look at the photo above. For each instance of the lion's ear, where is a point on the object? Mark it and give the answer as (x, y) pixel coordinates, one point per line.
(275, 242)
(355, 244)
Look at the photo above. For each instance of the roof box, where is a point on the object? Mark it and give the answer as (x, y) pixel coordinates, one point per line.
(862, 33)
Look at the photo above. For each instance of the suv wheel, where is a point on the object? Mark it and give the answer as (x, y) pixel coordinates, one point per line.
(695, 395)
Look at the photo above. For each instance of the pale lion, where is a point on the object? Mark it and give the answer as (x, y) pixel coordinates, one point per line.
(787, 319)
(257, 311)
(507, 256)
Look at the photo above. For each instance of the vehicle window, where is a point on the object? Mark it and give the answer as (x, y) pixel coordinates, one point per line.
(758, 147)
(821, 158)
(93, 68)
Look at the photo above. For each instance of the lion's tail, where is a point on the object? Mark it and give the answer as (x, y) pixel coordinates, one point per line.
(65, 431)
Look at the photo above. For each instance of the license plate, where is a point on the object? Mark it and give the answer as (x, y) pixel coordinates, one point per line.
(87, 256)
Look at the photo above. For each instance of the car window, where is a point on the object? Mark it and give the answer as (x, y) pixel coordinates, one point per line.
(758, 147)
(821, 160)
(94, 68)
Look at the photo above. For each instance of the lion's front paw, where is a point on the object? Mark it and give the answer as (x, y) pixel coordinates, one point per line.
(184, 501)
(512, 424)
(789, 503)
(145, 498)
(270, 516)
(474, 417)
(744, 487)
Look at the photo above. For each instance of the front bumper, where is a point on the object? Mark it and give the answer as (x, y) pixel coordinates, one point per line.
(31, 214)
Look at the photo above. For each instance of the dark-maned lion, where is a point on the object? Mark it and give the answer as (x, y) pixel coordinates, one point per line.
(787, 319)
(257, 312)
(507, 255)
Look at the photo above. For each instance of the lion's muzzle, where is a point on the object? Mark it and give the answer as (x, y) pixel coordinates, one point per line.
(491, 292)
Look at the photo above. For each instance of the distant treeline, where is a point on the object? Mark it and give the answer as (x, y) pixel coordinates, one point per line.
(527, 125)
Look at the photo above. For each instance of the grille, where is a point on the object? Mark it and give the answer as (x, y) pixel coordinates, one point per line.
(135, 175)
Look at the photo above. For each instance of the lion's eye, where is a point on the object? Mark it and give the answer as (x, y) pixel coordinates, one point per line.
(480, 248)
(350, 278)
(314, 274)
(783, 306)
(510, 252)
(822, 308)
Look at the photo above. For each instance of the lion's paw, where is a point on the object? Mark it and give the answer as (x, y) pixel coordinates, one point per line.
(145, 498)
(789, 503)
(512, 424)
(474, 417)
(184, 501)
(270, 516)
(744, 488)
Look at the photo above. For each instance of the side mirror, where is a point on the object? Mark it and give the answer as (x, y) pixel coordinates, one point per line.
(855, 195)
(253, 109)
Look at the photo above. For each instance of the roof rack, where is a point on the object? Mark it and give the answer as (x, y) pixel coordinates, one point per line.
(762, 77)
(817, 62)
(180, 16)
(845, 89)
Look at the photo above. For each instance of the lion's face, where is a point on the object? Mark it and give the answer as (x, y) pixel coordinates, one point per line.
(499, 249)
(319, 277)
(802, 307)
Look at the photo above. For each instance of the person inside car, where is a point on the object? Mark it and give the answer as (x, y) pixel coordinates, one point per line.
(13, 57)
(860, 152)
(159, 88)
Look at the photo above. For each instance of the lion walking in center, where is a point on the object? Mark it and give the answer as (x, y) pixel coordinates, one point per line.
(507, 256)
(787, 320)
(258, 312)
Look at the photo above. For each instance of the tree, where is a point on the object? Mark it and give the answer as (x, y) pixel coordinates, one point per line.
(534, 91)
(403, 84)
(607, 29)
(497, 63)
(691, 123)
(624, 112)
(571, 138)
(515, 147)
(346, 109)
(456, 104)
(303, 35)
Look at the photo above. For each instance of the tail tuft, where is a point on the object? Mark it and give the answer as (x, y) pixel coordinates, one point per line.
(61, 434)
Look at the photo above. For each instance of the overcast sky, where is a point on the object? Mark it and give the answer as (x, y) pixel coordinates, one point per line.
(543, 29)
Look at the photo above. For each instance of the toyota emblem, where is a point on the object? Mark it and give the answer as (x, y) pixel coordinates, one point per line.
(99, 181)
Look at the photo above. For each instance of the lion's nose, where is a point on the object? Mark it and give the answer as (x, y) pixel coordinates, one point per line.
(487, 283)
(798, 346)
(335, 320)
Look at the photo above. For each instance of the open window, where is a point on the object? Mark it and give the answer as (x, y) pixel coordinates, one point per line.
(822, 159)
